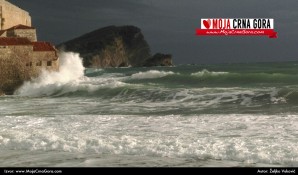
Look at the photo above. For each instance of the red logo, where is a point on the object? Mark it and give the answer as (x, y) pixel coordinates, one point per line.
(207, 23)
(237, 27)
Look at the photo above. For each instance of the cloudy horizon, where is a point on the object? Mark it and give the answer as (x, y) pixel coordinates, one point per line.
(169, 26)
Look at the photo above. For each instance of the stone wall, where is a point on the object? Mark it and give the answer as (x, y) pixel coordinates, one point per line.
(20, 63)
(47, 60)
(11, 15)
(25, 33)
(13, 69)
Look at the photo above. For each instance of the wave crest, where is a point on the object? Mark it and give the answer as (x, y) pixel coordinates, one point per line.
(205, 72)
(151, 74)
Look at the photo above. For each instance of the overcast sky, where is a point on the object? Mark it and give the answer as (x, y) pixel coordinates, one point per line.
(169, 25)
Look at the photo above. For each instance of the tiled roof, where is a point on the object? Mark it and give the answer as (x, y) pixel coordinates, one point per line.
(20, 26)
(43, 46)
(4, 41)
(37, 46)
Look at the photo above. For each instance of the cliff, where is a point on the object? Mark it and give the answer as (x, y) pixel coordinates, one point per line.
(159, 59)
(112, 47)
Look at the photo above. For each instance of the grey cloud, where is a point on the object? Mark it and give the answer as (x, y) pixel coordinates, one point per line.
(169, 25)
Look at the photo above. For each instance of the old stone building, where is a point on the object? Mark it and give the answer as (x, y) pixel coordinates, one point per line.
(21, 31)
(22, 57)
(11, 15)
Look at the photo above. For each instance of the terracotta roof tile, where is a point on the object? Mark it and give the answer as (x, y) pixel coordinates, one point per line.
(43, 46)
(4, 41)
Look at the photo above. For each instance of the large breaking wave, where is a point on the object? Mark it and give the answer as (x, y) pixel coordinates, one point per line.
(201, 88)
(71, 73)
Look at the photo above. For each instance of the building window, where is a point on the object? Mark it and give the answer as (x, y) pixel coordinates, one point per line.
(39, 63)
(49, 63)
(29, 64)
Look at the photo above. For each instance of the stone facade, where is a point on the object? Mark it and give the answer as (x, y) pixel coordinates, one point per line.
(44, 57)
(22, 31)
(22, 57)
(11, 15)
(13, 72)
(21, 60)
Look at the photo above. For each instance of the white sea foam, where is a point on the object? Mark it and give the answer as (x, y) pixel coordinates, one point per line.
(69, 78)
(205, 72)
(71, 72)
(151, 74)
(274, 97)
(252, 139)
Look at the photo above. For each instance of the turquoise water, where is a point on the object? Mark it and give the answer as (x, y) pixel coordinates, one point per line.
(188, 115)
(237, 88)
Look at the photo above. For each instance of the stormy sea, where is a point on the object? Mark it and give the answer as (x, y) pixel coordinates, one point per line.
(225, 115)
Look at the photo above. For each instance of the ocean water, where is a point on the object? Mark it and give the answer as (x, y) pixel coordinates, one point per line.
(190, 115)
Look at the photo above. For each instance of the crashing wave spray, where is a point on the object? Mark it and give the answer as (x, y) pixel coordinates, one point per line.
(71, 72)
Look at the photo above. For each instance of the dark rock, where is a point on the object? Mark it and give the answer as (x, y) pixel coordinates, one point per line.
(159, 60)
(110, 47)
(115, 47)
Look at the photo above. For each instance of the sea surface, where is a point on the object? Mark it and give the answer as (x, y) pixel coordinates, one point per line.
(221, 115)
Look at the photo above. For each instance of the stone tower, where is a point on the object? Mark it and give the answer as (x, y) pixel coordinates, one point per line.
(11, 15)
